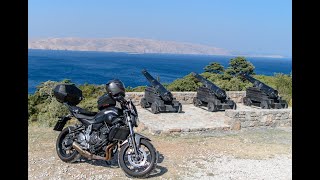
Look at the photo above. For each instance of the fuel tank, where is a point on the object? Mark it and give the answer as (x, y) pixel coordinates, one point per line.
(109, 115)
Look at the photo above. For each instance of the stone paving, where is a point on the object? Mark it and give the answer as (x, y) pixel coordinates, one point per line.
(190, 120)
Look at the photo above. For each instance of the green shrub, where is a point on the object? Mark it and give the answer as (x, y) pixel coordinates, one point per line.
(187, 83)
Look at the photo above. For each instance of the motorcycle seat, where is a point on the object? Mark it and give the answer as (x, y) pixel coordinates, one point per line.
(83, 113)
(88, 117)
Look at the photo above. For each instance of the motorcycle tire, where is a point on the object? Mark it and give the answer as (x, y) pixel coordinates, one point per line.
(131, 172)
(63, 155)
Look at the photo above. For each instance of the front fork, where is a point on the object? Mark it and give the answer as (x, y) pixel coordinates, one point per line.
(132, 139)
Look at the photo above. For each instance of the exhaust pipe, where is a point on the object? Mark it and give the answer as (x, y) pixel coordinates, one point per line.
(86, 154)
(109, 151)
(90, 156)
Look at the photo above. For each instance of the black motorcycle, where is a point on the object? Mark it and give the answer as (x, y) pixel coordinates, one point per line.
(100, 135)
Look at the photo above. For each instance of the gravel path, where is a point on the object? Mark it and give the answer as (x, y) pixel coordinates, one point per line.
(228, 167)
(255, 154)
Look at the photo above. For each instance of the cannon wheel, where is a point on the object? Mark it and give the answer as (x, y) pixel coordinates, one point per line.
(247, 101)
(264, 105)
(211, 107)
(154, 108)
(285, 105)
(196, 102)
(234, 106)
(278, 106)
(143, 103)
(179, 108)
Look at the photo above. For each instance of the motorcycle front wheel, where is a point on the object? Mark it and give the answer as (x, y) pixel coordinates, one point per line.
(140, 165)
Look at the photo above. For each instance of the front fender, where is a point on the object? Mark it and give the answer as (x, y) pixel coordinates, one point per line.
(137, 138)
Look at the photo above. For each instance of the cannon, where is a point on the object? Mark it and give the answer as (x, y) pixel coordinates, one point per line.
(212, 96)
(262, 95)
(158, 97)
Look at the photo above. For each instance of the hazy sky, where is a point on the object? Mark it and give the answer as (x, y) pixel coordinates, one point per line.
(243, 26)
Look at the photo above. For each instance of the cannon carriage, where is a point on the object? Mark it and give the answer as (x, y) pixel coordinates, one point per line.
(212, 96)
(158, 97)
(262, 95)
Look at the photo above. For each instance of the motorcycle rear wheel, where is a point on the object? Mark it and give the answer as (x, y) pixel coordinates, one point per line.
(138, 168)
(64, 147)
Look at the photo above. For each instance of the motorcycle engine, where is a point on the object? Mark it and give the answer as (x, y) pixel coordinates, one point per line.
(94, 138)
(88, 139)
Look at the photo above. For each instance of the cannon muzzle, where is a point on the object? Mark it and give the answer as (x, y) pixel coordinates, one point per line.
(159, 88)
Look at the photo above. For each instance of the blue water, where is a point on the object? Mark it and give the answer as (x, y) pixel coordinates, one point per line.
(99, 67)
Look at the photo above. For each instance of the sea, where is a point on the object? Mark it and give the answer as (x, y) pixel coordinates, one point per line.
(99, 67)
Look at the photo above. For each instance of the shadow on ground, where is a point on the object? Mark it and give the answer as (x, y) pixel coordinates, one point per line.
(162, 112)
(159, 170)
(113, 163)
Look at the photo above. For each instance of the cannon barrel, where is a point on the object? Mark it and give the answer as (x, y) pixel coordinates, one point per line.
(163, 92)
(220, 93)
(272, 93)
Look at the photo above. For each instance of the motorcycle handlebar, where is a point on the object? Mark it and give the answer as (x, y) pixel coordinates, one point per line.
(120, 99)
(124, 103)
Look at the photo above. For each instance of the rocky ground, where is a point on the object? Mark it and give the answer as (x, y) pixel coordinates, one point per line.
(246, 154)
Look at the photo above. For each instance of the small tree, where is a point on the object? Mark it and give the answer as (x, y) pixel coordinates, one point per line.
(239, 64)
(214, 68)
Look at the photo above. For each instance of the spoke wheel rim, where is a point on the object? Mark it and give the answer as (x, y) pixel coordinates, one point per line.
(66, 150)
(140, 163)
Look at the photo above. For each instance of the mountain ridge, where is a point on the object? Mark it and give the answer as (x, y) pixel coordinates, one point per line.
(123, 44)
(134, 46)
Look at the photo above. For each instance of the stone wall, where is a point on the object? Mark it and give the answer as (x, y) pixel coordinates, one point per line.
(259, 118)
(186, 97)
(135, 97)
(236, 96)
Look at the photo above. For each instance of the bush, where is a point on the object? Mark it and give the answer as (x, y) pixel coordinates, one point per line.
(283, 83)
(48, 114)
(44, 109)
(187, 83)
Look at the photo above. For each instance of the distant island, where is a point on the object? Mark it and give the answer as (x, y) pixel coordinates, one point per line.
(131, 45)
(128, 45)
